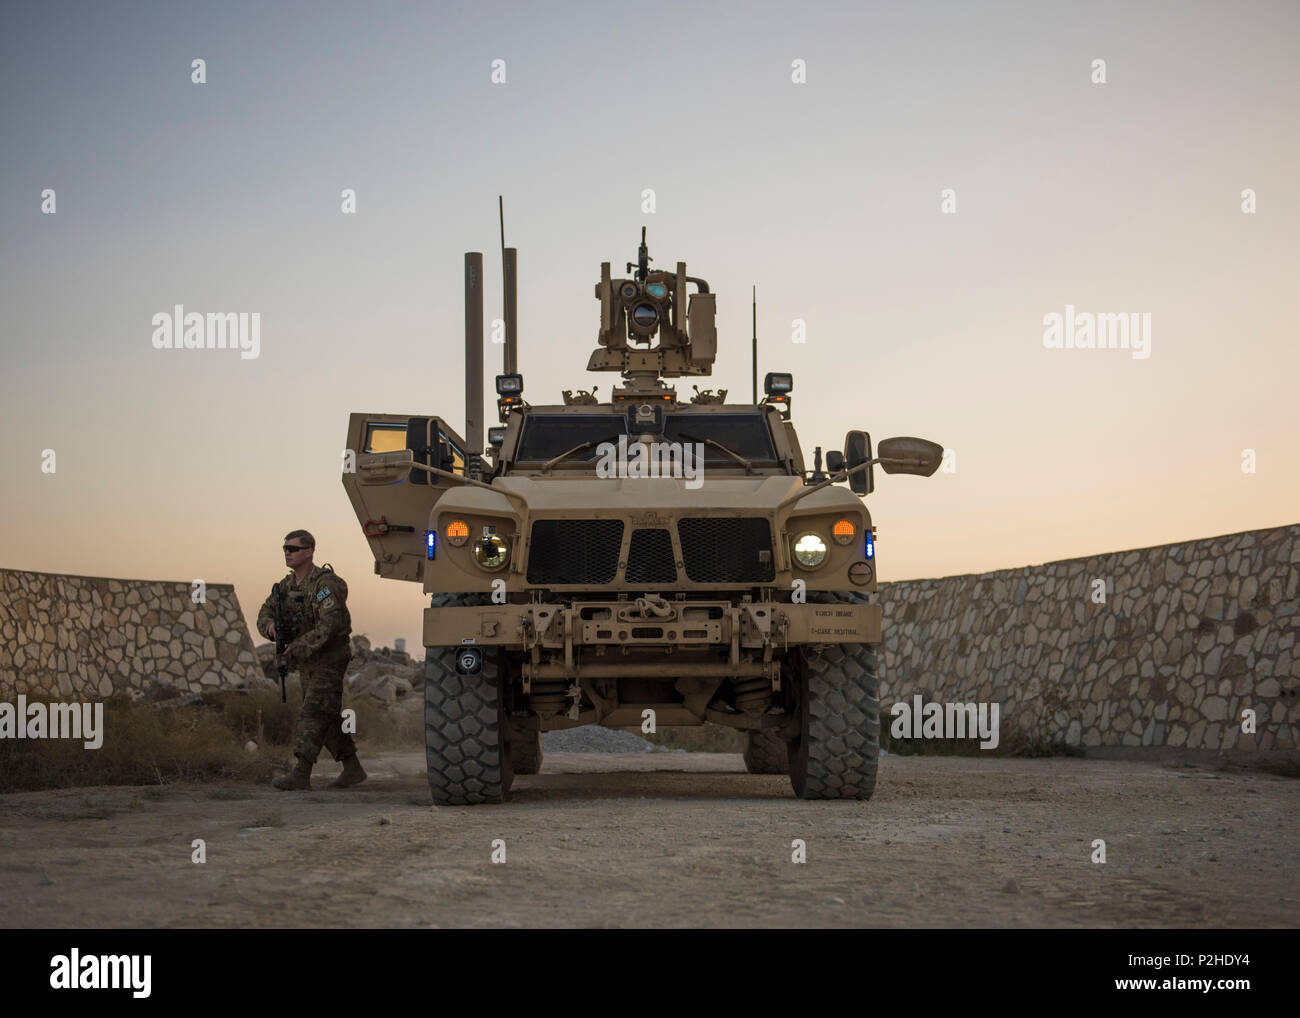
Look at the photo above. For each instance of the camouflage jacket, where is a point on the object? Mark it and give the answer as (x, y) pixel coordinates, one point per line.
(315, 614)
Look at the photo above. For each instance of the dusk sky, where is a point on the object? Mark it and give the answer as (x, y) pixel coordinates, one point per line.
(1122, 197)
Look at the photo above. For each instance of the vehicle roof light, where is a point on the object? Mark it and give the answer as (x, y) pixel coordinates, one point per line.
(510, 385)
(778, 383)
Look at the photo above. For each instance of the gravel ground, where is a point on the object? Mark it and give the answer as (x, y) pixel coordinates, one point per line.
(593, 739)
(668, 840)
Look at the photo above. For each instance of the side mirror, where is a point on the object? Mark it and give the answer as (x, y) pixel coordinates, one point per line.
(857, 450)
(384, 467)
(834, 461)
(910, 456)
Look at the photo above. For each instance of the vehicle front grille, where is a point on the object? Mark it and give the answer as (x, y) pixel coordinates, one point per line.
(574, 551)
(726, 549)
(650, 557)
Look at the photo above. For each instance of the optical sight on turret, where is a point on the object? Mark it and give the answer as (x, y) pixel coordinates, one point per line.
(651, 305)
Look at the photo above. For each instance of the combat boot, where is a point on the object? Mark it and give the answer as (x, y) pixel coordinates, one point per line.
(352, 774)
(297, 779)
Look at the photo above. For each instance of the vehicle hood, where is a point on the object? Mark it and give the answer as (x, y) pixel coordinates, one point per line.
(550, 496)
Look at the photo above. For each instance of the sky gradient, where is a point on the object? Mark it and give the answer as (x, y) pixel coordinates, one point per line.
(225, 196)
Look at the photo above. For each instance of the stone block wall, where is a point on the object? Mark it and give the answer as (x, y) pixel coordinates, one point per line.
(81, 637)
(1188, 637)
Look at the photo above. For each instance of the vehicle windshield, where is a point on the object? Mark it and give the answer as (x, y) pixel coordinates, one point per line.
(744, 434)
(549, 435)
(546, 436)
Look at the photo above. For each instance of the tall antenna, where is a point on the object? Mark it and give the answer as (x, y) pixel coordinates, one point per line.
(509, 270)
(755, 295)
(473, 357)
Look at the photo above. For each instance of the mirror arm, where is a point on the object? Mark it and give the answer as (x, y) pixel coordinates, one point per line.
(844, 475)
(512, 495)
(833, 479)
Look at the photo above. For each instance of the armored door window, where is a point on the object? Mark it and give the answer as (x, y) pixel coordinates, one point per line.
(385, 438)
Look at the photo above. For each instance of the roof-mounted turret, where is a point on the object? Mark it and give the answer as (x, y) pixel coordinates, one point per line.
(649, 305)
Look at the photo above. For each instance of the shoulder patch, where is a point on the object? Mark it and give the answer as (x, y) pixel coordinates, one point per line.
(324, 593)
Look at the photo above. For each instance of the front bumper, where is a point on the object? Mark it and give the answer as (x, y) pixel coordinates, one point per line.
(749, 627)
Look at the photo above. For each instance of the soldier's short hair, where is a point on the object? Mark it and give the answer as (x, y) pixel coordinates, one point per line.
(307, 539)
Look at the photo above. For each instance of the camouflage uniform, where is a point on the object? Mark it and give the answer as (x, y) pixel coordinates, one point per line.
(317, 627)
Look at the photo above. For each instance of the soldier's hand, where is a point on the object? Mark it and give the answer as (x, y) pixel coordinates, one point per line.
(270, 628)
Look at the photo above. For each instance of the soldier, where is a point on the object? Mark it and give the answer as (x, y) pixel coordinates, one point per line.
(314, 612)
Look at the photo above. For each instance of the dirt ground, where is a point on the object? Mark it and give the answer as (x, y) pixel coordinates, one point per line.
(668, 839)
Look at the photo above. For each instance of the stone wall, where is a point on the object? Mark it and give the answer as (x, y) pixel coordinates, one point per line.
(81, 637)
(1187, 638)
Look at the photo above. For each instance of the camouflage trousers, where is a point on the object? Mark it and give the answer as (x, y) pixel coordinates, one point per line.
(320, 722)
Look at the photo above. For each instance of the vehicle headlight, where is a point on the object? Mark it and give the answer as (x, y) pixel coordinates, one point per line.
(491, 553)
(809, 550)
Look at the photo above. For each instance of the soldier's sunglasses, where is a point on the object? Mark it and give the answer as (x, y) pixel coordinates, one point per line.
(290, 548)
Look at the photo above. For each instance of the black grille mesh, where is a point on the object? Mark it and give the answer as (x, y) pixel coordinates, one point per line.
(726, 549)
(574, 551)
(650, 557)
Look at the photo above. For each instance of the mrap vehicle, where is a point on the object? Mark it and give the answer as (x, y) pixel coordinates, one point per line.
(645, 557)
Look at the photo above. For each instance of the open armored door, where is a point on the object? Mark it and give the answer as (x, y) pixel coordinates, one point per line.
(393, 505)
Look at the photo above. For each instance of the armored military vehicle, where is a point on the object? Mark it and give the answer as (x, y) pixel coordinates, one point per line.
(645, 558)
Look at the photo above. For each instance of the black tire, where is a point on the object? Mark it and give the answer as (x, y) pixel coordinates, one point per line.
(465, 734)
(525, 750)
(765, 753)
(836, 751)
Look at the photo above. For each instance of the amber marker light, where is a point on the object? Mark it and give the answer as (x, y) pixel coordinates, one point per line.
(457, 532)
(844, 531)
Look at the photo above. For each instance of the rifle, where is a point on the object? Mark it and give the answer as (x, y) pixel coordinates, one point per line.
(280, 665)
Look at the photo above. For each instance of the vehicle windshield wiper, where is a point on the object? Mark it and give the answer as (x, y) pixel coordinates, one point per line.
(749, 467)
(577, 448)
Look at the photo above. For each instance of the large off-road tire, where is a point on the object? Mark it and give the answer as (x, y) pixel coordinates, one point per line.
(836, 750)
(525, 750)
(465, 729)
(765, 753)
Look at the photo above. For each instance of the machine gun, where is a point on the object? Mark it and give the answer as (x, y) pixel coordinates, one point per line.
(280, 643)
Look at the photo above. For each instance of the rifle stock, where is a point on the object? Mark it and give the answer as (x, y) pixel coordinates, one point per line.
(280, 665)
